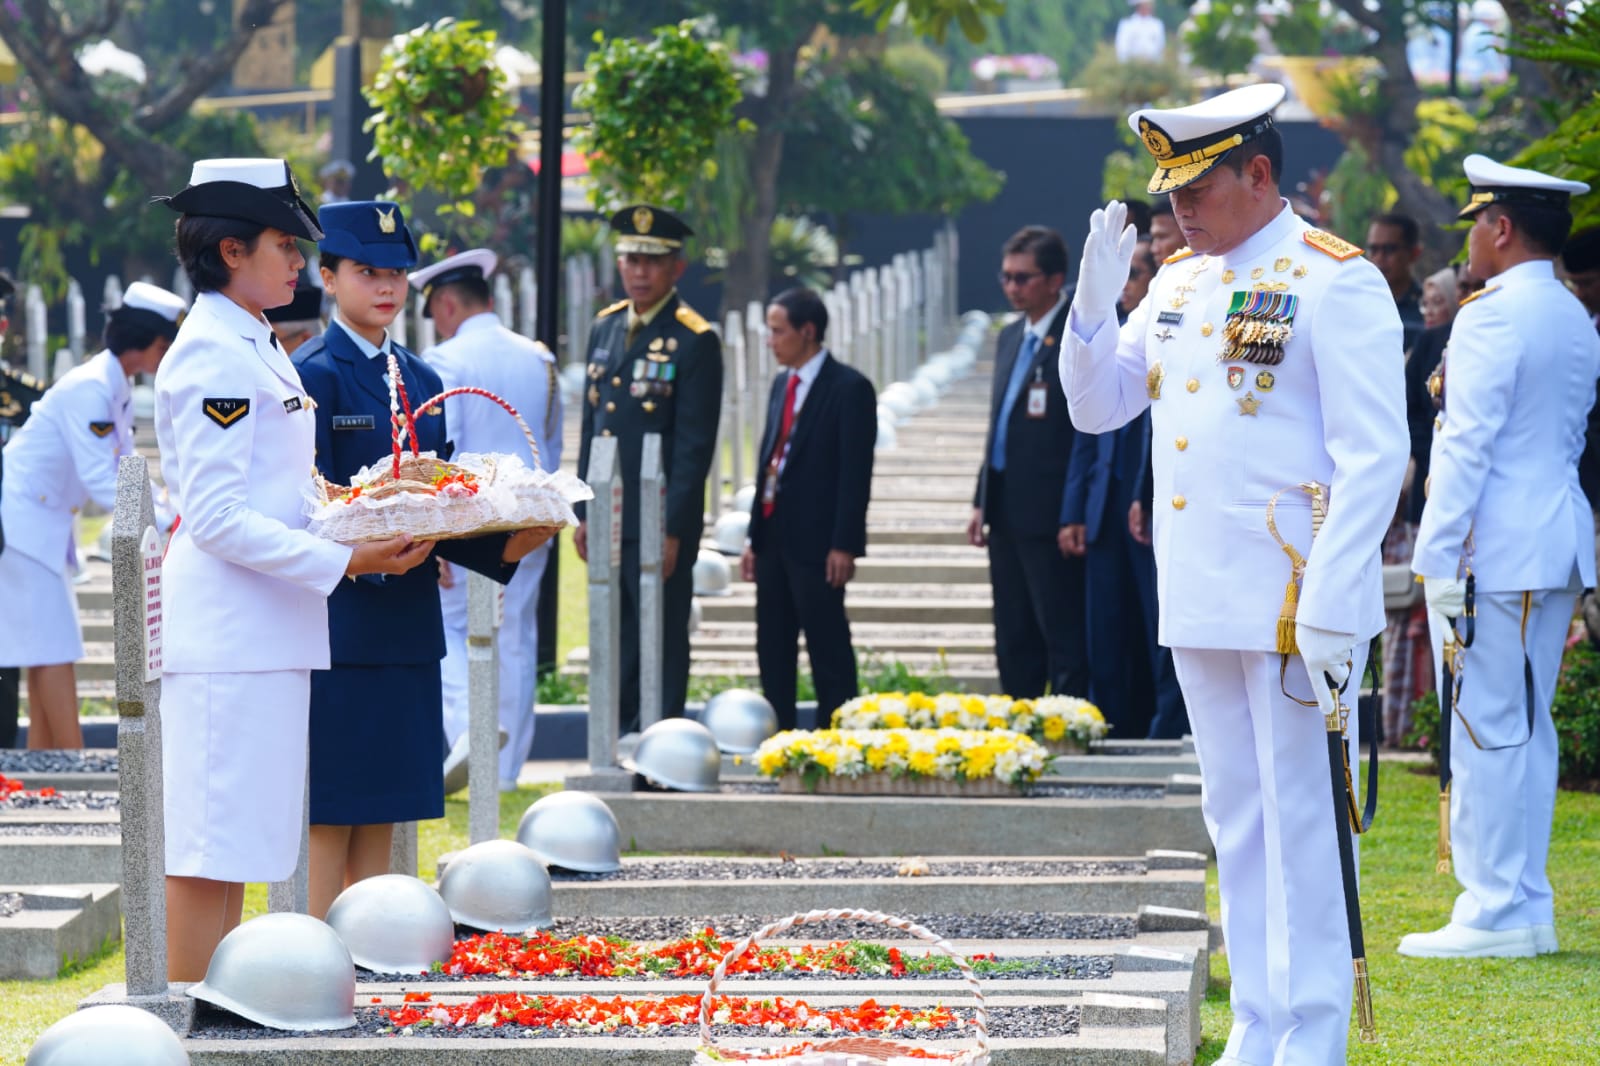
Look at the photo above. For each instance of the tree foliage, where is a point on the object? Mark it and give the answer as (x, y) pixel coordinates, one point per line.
(657, 107)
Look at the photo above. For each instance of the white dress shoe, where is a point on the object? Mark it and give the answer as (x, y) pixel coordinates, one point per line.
(1544, 940)
(1464, 942)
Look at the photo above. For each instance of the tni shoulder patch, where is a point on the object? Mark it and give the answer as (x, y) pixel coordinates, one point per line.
(691, 318)
(1181, 253)
(1329, 245)
(102, 429)
(1480, 294)
(224, 412)
(614, 308)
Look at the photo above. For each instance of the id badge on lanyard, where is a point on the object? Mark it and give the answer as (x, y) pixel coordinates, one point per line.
(1038, 394)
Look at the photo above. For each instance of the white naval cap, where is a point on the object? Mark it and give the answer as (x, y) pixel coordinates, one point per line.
(1187, 142)
(152, 307)
(476, 263)
(1496, 183)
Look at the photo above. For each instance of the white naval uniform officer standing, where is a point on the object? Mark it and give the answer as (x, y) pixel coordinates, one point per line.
(1269, 354)
(1519, 379)
(63, 457)
(244, 585)
(477, 350)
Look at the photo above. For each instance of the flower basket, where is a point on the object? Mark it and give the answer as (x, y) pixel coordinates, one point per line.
(852, 1050)
(1064, 724)
(430, 499)
(907, 762)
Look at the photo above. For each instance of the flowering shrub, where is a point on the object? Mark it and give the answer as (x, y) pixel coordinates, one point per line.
(1049, 718)
(949, 754)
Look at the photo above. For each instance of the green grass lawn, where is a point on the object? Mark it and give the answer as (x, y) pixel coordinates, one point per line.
(1526, 1012)
(1438, 1012)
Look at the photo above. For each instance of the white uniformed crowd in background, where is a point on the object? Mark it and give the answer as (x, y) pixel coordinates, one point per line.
(1200, 459)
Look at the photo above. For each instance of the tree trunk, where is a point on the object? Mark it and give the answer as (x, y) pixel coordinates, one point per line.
(747, 273)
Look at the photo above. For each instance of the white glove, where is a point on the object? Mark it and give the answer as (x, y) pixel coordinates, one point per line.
(1107, 254)
(1324, 652)
(1445, 595)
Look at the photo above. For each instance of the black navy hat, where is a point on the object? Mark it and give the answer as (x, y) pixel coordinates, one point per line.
(369, 231)
(262, 191)
(1187, 142)
(152, 307)
(1496, 183)
(648, 230)
(475, 264)
(305, 307)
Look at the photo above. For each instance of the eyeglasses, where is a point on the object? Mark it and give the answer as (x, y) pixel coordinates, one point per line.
(1021, 277)
(1384, 248)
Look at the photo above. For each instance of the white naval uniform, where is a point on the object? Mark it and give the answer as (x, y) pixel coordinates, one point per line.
(485, 354)
(1519, 381)
(1332, 411)
(64, 456)
(245, 592)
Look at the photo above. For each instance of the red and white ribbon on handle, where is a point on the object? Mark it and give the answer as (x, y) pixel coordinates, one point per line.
(397, 399)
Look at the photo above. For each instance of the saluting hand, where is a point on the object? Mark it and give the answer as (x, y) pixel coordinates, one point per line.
(1103, 271)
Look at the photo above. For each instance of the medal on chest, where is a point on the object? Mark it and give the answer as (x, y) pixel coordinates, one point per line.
(1259, 323)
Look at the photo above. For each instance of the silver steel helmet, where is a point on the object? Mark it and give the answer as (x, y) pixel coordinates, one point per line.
(284, 971)
(115, 1033)
(712, 577)
(393, 924)
(572, 830)
(677, 753)
(498, 886)
(729, 532)
(739, 720)
(745, 498)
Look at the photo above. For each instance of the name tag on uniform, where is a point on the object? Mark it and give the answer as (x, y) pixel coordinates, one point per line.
(291, 405)
(353, 422)
(1038, 399)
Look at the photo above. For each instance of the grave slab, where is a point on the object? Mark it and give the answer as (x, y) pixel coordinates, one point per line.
(54, 925)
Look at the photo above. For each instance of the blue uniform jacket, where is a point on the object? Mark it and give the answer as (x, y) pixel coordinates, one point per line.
(382, 620)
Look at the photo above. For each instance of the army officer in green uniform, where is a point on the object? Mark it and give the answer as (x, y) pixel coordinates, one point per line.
(654, 366)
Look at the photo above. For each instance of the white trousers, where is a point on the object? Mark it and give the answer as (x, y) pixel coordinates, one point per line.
(1268, 805)
(517, 644)
(1502, 802)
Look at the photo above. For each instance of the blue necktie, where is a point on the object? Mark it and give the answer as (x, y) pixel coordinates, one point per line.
(1019, 374)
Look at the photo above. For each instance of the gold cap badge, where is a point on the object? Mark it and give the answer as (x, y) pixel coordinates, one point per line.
(385, 220)
(643, 219)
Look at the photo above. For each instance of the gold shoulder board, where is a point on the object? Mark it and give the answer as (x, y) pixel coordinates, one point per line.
(614, 308)
(1480, 292)
(1329, 245)
(691, 318)
(1181, 253)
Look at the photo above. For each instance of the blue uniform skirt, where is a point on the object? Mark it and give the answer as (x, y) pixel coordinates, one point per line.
(377, 744)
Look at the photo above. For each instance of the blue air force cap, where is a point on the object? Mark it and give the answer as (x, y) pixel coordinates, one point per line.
(368, 231)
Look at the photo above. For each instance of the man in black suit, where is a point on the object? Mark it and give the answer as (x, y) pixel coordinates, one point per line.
(1039, 617)
(809, 525)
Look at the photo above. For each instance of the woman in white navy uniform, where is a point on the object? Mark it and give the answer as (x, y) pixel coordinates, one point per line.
(64, 456)
(244, 585)
(1505, 502)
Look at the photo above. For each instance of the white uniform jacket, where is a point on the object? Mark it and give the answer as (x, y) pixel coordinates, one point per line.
(1519, 380)
(245, 587)
(486, 355)
(1227, 435)
(66, 455)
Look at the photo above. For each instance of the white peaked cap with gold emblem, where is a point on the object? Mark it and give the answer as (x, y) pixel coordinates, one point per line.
(475, 263)
(1496, 183)
(1187, 142)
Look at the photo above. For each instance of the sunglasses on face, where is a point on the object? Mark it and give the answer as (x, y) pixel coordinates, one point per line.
(1021, 277)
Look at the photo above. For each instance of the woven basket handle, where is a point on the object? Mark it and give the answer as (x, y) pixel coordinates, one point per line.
(980, 1021)
(468, 390)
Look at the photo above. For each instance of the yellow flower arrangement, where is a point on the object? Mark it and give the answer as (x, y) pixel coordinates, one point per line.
(1054, 719)
(950, 754)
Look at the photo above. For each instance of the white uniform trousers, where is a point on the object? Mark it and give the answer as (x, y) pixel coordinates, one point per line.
(517, 644)
(1268, 806)
(1502, 802)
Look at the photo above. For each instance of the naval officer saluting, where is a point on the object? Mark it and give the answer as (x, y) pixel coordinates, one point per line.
(65, 455)
(244, 587)
(1504, 504)
(1269, 356)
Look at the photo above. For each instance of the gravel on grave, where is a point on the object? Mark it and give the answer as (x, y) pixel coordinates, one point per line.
(14, 761)
(835, 869)
(60, 829)
(1013, 1023)
(1035, 791)
(997, 925)
(10, 903)
(1033, 968)
(63, 801)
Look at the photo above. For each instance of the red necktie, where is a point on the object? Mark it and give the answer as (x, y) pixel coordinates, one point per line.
(789, 392)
